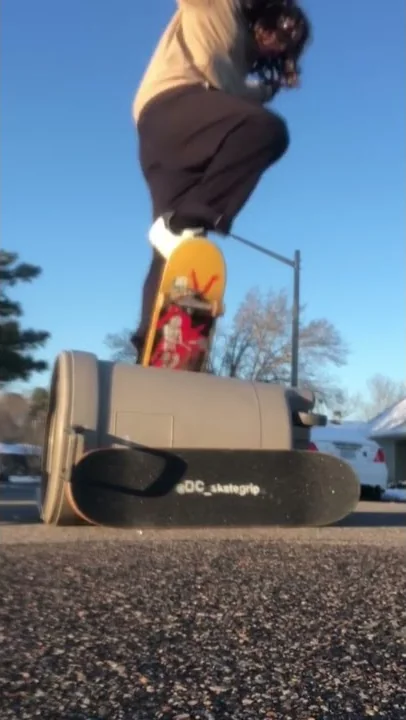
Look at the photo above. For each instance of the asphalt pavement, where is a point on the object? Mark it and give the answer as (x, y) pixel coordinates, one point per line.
(263, 624)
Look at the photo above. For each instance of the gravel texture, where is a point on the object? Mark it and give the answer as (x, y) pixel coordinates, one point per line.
(202, 629)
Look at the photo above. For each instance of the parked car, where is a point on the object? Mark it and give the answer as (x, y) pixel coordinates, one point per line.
(364, 455)
(19, 463)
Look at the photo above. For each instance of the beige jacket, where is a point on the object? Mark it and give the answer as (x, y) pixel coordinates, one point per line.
(205, 42)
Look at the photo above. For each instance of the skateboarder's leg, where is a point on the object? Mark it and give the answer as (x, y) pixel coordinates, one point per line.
(246, 153)
(148, 298)
(202, 153)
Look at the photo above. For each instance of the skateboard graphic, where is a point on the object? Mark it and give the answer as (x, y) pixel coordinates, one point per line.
(189, 301)
(145, 488)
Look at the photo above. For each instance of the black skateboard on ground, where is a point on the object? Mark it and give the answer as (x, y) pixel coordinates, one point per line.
(145, 488)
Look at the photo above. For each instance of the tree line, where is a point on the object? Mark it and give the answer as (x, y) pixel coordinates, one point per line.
(19, 415)
(17, 344)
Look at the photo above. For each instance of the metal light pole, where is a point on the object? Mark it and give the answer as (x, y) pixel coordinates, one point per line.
(295, 320)
(295, 265)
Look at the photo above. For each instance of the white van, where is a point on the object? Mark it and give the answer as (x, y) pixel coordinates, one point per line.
(349, 443)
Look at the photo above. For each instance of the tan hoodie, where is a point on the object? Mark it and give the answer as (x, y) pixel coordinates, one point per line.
(206, 42)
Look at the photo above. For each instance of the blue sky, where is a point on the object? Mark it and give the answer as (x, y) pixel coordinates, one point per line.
(74, 200)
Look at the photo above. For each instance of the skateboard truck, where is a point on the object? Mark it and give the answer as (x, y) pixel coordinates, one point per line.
(190, 302)
(308, 419)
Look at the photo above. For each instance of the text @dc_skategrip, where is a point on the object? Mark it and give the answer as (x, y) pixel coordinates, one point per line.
(199, 487)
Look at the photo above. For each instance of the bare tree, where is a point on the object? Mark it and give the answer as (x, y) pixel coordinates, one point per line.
(258, 346)
(121, 348)
(382, 392)
(13, 414)
(16, 405)
(345, 405)
(10, 432)
(34, 429)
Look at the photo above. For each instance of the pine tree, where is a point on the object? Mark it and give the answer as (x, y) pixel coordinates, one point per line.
(17, 345)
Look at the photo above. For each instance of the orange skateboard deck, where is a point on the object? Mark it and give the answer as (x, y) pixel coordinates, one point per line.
(189, 301)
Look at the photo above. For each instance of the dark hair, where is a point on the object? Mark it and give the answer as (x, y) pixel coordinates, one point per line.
(270, 15)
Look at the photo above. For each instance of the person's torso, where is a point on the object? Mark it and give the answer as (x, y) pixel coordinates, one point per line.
(205, 42)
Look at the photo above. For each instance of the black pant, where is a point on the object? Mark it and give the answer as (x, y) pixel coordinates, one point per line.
(202, 153)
